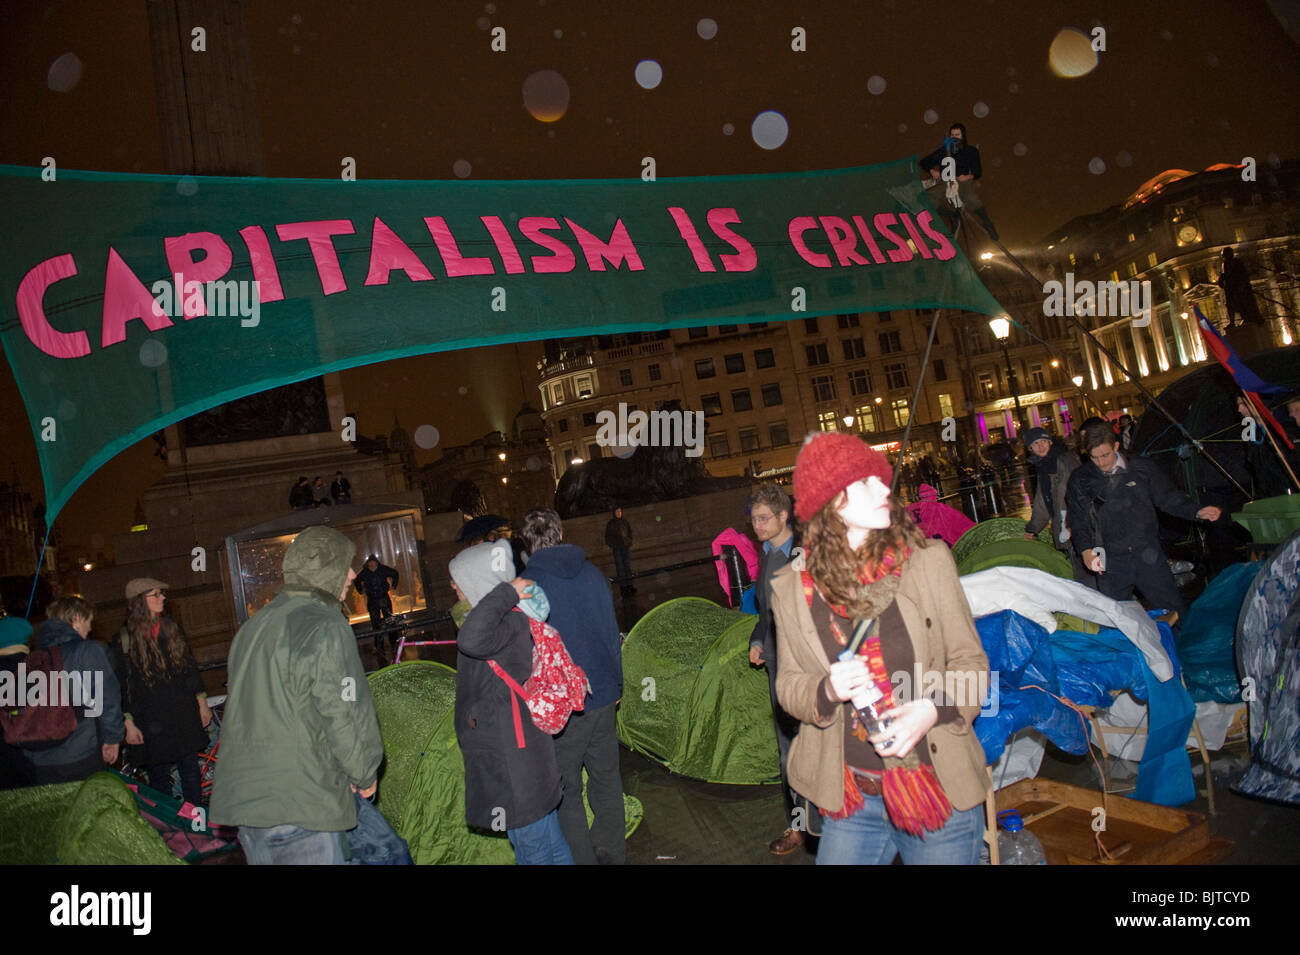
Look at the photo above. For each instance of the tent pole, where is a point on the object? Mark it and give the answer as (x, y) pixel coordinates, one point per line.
(1273, 441)
(916, 396)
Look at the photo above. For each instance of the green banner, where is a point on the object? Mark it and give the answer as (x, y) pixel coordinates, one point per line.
(132, 302)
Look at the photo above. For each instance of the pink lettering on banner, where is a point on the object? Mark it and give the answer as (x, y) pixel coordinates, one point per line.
(505, 245)
(798, 226)
(883, 221)
(945, 250)
(616, 251)
(181, 263)
(869, 240)
(562, 258)
(746, 258)
(686, 229)
(916, 236)
(126, 299)
(318, 235)
(265, 272)
(452, 260)
(31, 310)
(388, 252)
(843, 242)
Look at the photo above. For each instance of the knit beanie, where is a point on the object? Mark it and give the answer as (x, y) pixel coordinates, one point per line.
(14, 631)
(1034, 434)
(829, 462)
(477, 570)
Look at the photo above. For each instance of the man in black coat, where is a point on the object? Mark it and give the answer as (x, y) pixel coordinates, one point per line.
(1111, 505)
(967, 169)
(301, 497)
(374, 582)
(512, 781)
(769, 511)
(341, 489)
(618, 537)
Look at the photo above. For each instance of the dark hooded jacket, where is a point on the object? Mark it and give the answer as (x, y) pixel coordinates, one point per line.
(1118, 511)
(376, 583)
(300, 723)
(583, 613)
(1054, 470)
(967, 156)
(92, 732)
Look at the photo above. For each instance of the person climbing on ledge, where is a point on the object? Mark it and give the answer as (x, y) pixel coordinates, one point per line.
(962, 191)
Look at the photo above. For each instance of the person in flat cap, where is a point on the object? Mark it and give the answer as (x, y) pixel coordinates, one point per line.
(891, 768)
(163, 700)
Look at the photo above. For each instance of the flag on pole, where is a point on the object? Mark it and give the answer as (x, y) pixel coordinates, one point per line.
(1247, 380)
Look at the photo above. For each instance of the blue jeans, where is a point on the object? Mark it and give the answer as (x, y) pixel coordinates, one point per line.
(868, 838)
(290, 845)
(541, 842)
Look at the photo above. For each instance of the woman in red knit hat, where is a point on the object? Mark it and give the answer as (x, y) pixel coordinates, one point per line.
(879, 660)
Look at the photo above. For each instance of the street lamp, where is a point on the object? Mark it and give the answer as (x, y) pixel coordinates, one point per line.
(1001, 327)
(848, 421)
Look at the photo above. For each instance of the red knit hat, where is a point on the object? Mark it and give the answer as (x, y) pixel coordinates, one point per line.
(829, 462)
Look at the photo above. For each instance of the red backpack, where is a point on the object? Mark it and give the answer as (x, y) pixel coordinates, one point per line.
(556, 687)
(44, 725)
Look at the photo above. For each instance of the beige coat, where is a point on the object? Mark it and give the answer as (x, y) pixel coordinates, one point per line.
(944, 642)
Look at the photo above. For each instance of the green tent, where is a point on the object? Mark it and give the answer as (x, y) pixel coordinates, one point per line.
(691, 700)
(93, 822)
(1016, 552)
(422, 784)
(994, 529)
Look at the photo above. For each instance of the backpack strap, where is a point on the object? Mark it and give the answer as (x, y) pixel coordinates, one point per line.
(516, 691)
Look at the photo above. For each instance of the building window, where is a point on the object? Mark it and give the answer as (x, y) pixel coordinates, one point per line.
(755, 326)
(889, 342)
(986, 383)
(655, 373)
(940, 370)
(593, 452)
(1132, 270)
(810, 326)
(712, 404)
(718, 446)
(859, 381)
(901, 412)
(764, 358)
(1239, 235)
(885, 316)
(564, 425)
(741, 401)
(853, 348)
(701, 332)
(1132, 237)
(771, 395)
(625, 377)
(847, 321)
(735, 364)
(823, 388)
(704, 368)
(582, 385)
(589, 419)
(1073, 260)
(826, 421)
(1114, 276)
(748, 439)
(1096, 257)
(1036, 376)
(557, 393)
(816, 354)
(945, 406)
(864, 419)
(1151, 260)
(896, 375)
(728, 329)
(779, 433)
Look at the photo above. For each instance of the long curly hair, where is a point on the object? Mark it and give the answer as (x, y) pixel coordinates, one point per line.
(145, 653)
(835, 567)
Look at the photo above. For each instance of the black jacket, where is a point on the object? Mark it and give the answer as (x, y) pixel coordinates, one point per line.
(764, 632)
(505, 787)
(618, 533)
(967, 156)
(1118, 512)
(167, 712)
(375, 583)
(301, 497)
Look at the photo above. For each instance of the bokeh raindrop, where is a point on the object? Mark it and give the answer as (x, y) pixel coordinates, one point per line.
(153, 353)
(1096, 165)
(707, 28)
(770, 129)
(1020, 149)
(876, 85)
(1071, 54)
(1123, 159)
(426, 436)
(649, 74)
(546, 95)
(980, 109)
(462, 168)
(64, 73)
(534, 463)
(728, 129)
(930, 117)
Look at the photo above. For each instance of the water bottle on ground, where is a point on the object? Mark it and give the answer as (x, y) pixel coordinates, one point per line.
(1016, 844)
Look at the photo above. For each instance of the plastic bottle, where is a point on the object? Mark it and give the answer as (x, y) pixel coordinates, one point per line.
(1016, 844)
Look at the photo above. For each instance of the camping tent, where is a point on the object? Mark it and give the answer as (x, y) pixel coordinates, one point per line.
(690, 698)
(422, 786)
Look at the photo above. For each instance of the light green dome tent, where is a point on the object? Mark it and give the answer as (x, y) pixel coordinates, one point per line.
(422, 785)
(994, 529)
(1012, 552)
(690, 698)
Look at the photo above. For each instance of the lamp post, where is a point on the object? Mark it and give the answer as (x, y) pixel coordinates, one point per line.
(1001, 327)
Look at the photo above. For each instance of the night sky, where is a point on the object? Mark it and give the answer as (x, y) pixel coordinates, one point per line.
(414, 91)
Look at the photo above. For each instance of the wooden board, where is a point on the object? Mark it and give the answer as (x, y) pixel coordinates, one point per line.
(1136, 833)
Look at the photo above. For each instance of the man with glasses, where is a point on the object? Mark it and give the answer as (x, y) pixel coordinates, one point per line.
(769, 511)
(1111, 507)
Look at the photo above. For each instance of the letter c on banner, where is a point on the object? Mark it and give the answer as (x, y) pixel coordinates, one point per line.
(31, 310)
